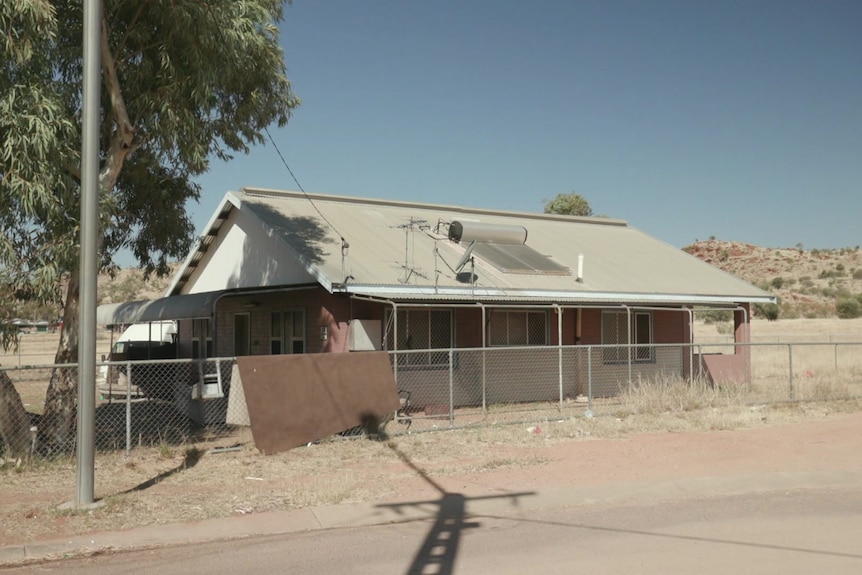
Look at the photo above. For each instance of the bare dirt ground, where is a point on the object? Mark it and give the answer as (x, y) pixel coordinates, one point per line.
(193, 481)
(159, 486)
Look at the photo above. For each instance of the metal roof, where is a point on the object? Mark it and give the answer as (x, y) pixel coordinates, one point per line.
(402, 251)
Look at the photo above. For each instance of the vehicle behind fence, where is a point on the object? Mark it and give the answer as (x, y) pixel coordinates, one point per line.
(150, 403)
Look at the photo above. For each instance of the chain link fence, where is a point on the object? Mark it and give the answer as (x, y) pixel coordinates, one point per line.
(151, 403)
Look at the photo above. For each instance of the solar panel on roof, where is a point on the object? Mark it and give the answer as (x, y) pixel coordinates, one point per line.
(519, 259)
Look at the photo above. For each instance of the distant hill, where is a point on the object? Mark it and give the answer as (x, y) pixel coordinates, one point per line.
(129, 285)
(808, 283)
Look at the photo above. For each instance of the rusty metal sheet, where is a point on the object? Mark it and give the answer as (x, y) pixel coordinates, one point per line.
(295, 399)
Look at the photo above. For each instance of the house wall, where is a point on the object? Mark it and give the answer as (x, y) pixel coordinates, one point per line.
(321, 310)
(501, 372)
(244, 255)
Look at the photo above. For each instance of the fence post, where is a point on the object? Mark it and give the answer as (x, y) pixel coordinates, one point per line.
(128, 408)
(484, 383)
(560, 371)
(836, 356)
(451, 392)
(790, 367)
(590, 378)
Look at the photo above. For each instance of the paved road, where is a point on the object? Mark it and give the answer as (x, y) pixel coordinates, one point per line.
(784, 532)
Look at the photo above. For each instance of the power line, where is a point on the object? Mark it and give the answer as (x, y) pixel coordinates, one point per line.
(283, 161)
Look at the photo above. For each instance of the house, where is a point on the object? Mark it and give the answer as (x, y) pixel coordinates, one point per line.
(279, 272)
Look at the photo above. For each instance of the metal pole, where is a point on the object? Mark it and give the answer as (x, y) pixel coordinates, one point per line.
(484, 382)
(88, 256)
(560, 351)
(836, 356)
(128, 409)
(590, 377)
(790, 367)
(451, 391)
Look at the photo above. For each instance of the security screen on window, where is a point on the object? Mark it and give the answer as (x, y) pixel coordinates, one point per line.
(422, 329)
(517, 327)
(615, 332)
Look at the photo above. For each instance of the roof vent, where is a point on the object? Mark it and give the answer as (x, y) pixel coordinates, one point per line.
(487, 233)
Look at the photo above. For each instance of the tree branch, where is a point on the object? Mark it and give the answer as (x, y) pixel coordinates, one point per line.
(122, 138)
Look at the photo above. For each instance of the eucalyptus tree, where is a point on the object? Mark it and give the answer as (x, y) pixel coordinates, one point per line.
(569, 204)
(184, 82)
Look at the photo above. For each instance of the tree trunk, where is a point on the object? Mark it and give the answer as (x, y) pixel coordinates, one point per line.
(57, 430)
(14, 421)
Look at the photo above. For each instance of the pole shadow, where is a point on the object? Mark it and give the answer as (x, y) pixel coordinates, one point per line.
(439, 549)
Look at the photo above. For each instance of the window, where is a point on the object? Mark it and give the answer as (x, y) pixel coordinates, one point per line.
(287, 332)
(201, 332)
(518, 327)
(241, 334)
(422, 329)
(615, 332)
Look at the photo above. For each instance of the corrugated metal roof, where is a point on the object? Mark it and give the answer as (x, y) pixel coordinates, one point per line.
(403, 249)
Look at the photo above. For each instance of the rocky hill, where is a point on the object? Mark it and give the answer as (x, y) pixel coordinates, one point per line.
(129, 285)
(808, 283)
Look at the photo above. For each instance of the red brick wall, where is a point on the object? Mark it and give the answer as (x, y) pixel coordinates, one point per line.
(334, 312)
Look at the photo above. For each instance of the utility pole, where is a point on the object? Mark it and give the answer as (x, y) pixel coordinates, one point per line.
(88, 256)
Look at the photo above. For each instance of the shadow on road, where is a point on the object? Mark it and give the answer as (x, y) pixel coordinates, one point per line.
(438, 551)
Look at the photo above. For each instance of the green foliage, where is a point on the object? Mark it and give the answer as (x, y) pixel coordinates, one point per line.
(183, 82)
(569, 204)
(777, 282)
(848, 308)
(769, 311)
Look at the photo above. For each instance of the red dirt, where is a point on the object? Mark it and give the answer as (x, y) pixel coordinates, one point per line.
(832, 444)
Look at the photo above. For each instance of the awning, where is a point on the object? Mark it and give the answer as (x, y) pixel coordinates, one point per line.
(190, 306)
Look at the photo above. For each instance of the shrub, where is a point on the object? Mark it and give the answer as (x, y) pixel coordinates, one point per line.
(847, 308)
(857, 275)
(777, 282)
(768, 310)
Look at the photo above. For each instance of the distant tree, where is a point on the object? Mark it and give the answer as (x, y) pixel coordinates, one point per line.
(847, 308)
(182, 82)
(569, 205)
(768, 310)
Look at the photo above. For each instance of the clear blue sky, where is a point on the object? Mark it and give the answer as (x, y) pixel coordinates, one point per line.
(738, 119)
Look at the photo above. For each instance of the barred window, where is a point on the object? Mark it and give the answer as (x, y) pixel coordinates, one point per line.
(518, 327)
(422, 329)
(615, 332)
